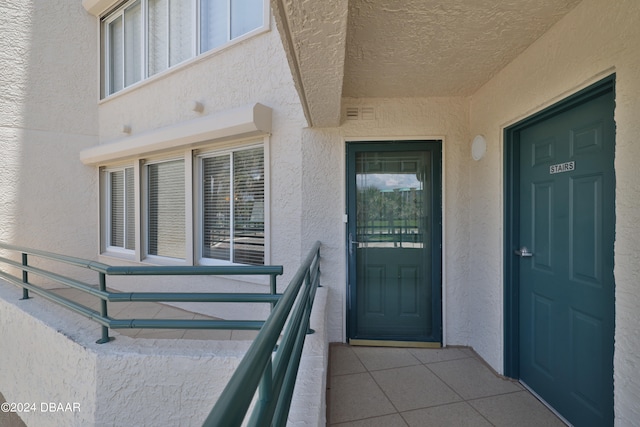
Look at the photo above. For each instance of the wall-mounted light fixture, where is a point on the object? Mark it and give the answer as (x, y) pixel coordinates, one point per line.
(126, 129)
(478, 147)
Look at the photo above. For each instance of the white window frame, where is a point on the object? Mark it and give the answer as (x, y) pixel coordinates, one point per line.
(193, 203)
(106, 210)
(198, 180)
(144, 243)
(106, 60)
(113, 14)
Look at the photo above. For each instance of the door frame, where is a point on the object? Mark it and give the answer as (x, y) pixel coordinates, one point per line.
(437, 177)
(512, 213)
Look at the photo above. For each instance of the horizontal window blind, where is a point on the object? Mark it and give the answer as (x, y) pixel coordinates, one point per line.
(248, 209)
(233, 207)
(130, 209)
(117, 209)
(122, 209)
(216, 201)
(166, 209)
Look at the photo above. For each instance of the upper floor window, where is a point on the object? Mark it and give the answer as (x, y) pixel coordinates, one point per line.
(144, 37)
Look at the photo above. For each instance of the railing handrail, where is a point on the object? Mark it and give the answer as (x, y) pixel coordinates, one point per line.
(256, 367)
(78, 262)
(106, 296)
(274, 376)
(150, 270)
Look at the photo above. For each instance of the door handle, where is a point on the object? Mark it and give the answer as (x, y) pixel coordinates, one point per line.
(523, 252)
(351, 243)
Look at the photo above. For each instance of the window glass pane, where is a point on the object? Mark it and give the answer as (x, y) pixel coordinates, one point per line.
(133, 44)
(166, 221)
(216, 207)
(158, 36)
(181, 31)
(116, 60)
(122, 209)
(248, 186)
(214, 18)
(246, 15)
(130, 209)
(117, 208)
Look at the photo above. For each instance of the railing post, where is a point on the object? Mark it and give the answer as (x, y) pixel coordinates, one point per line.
(103, 311)
(318, 266)
(274, 289)
(307, 283)
(265, 394)
(25, 277)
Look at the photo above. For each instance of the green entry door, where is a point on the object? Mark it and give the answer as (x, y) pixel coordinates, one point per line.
(393, 245)
(567, 224)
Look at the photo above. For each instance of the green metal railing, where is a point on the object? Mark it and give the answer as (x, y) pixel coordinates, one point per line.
(269, 367)
(272, 373)
(106, 296)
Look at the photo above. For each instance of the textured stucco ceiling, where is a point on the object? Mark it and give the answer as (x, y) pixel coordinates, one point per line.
(424, 48)
(314, 34)
(403, 48)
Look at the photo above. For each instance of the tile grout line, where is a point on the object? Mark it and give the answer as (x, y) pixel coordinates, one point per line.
(380, 387)
(467, 401)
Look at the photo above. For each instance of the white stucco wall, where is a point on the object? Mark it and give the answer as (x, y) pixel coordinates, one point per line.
(47, 114)
(324, 187)
(54, 358)
(130, 382)
(597, 38)
(253, 71)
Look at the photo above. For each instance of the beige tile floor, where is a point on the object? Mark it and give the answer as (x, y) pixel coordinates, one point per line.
(152, 310)
(389, 387)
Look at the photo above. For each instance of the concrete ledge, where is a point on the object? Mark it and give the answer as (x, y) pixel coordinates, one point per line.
(49, 356)
(309, 406)
(252, 120)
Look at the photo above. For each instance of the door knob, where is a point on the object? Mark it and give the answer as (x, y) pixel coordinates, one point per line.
(523, 252)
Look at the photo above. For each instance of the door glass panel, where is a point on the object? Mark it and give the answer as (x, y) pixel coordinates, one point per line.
(391, 212)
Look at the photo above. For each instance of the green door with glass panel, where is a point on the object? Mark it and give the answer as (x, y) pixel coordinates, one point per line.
(393, 243)
(565, 258)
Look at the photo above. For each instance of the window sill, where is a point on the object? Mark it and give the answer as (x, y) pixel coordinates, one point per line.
(243, 122)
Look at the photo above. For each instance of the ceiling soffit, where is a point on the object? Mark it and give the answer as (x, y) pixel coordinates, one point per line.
(431, 48)
(403, 48)
(314, 37)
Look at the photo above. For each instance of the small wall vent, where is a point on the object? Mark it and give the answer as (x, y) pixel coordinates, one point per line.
(368, 113)
(361, 113)
(353, 113)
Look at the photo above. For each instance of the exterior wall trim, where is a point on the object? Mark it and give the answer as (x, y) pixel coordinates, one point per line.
(253, 120)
